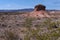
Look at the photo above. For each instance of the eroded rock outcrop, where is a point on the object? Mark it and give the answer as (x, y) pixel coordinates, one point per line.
(39, 7)
(39, 11)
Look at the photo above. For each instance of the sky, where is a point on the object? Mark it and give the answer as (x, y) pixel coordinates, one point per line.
(23, 4)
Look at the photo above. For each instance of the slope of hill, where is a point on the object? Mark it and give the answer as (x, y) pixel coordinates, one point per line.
(20, 27)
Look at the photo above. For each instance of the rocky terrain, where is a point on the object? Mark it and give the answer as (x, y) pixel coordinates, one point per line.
(19, 26)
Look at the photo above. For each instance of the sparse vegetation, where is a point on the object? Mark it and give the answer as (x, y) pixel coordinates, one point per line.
(52, 35)
(43, 29)
(28, 22)
(9, 35)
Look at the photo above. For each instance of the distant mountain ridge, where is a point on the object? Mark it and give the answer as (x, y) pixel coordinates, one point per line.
(23, 10)
(19, 10)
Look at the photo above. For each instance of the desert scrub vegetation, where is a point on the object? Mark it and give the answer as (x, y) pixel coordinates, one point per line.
(9, 35)
(43, 23)
(28, 22)
(51, 25)
(40, 33)
(33, 35)
(48, 23)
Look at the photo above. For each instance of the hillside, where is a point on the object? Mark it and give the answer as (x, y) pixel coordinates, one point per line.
(26, 28)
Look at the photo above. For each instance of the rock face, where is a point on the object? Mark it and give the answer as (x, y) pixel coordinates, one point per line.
(39, 11)
(39, 7)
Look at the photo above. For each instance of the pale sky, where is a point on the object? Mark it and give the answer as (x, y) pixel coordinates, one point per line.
(22, 4)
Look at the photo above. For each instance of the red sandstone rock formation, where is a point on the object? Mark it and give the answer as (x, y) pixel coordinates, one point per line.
(39, 7)
(39, 11)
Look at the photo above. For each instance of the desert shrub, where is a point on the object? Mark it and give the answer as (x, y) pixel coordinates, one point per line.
(53, 25)
(32, 34)
(38, 26)
(3, 25)
(46, 36)
(58, 29)
(28, 22)
(26, 37)
(18, 24)
(54, 34)
(50, 23)
(2, 18)
(11, 35)
(9, 26)
(47, 21)
(5, 13)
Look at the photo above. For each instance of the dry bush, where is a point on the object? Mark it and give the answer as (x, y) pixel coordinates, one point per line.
(9, 35)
